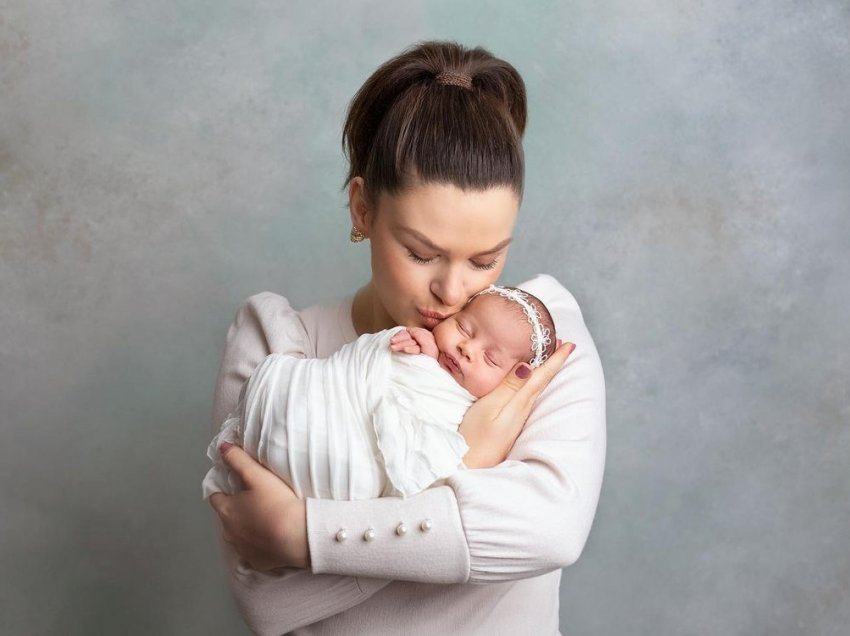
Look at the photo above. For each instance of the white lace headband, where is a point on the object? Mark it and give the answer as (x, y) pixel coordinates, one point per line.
(540, 336)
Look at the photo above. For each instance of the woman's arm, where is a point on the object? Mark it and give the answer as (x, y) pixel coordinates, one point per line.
(527, 516)
(272, 603)
(533, 513)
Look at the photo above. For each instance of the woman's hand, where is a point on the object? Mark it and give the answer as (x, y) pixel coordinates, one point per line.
(266, 523)
(491, 425)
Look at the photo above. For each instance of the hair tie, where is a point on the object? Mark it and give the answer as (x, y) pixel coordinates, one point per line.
(454, 79)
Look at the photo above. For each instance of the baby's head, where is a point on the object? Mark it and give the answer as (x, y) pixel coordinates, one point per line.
(496, 329)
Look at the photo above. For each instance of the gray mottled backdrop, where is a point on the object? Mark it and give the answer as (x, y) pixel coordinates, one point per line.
(688, 179)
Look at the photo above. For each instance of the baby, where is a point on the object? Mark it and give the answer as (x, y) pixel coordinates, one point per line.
(481, 343)
(375, 418)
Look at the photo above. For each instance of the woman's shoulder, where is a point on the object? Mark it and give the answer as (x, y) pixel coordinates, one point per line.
(265, 305)
(317, 330)
(269, 318)
(548, 289)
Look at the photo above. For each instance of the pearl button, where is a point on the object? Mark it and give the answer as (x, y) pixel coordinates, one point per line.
(342, 535)
(369, 534)
(401, 529)
(426, 525)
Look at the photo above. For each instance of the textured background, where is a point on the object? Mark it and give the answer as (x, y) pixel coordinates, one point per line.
(688, 180)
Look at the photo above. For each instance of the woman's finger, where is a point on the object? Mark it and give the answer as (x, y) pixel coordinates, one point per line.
(218, 500)
(508, 388)
(249, 471)
(522, 384)
(543, 374)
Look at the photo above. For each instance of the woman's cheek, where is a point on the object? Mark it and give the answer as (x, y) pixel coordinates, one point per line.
(407, 278)
(395, 269)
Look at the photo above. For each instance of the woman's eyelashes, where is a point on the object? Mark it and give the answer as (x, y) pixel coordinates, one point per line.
(424, 260)
(489, 265)
(419, 259)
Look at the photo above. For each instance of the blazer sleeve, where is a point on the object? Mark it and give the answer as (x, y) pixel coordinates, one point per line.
(269, 603)
(529, 515)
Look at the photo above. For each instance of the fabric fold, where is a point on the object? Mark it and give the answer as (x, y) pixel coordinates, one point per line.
(363, 423)
(416, 422)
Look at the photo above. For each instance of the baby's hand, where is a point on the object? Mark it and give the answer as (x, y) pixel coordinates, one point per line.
(415, 340)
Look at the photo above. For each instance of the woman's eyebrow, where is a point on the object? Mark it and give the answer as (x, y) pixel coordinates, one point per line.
(425, 241)
(497, 248)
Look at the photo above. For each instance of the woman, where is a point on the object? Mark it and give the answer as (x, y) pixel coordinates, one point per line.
(435, 181)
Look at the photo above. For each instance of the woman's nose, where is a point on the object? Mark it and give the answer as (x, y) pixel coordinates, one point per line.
(449, 289)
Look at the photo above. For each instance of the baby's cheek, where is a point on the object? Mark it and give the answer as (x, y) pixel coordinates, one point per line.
(487, 381)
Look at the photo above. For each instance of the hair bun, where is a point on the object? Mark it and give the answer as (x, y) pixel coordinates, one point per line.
(403, 127)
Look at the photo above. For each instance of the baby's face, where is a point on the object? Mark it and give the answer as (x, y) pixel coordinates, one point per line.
(481, 343)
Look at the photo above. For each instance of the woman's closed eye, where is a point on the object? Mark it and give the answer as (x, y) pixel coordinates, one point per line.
(424, 260)
(485, 266)
(418, 258)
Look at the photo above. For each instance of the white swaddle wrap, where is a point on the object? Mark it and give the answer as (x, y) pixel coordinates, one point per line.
(363, 423)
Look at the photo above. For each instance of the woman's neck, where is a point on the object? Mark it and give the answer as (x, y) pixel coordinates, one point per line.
(367, 312)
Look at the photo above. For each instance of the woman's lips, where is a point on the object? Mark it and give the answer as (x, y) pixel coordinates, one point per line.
(431, 318)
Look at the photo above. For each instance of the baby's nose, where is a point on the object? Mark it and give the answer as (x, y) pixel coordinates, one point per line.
(465, 349)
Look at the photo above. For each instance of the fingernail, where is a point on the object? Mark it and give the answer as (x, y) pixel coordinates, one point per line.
(224, 447)
(571, 347)
(523, 371)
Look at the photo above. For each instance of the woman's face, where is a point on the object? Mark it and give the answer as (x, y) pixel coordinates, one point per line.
(433, 246)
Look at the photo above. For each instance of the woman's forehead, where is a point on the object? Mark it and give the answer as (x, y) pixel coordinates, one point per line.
(453, 219)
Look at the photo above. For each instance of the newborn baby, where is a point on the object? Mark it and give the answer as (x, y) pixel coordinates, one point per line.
(381, 415)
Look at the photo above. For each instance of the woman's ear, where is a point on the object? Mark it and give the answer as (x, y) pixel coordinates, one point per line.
(361, 215)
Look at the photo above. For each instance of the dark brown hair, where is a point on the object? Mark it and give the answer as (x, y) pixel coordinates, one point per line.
(403, 127)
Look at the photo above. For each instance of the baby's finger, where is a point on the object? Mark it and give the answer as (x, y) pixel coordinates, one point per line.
(401, 335)
(413, 349)
(401, 344)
